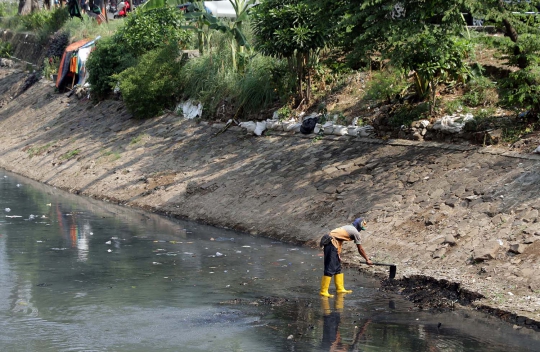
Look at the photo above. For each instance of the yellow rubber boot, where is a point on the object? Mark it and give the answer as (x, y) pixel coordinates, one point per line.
(338, 279)
(325, 284)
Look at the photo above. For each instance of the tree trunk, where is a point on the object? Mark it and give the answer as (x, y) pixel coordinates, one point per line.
(300, 75)
(28, 6)
(513, 35)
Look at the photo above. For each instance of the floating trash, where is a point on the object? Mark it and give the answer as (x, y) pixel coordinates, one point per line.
(7, 210)
(108, 242)
(109, 250)
(18, 185)
(219, 254)
(156, 263)
(246, 246)
(13, 216)
(223, 239)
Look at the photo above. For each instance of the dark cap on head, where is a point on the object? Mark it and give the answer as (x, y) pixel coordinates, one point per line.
(357, 223)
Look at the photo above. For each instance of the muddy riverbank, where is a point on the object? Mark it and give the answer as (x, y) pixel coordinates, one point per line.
(458, 216)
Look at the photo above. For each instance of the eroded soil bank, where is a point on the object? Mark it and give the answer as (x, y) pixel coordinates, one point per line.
(450, 216)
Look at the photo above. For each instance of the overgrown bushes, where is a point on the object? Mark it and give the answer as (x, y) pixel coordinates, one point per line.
(148, 30)
(108, 59)
(154, 83)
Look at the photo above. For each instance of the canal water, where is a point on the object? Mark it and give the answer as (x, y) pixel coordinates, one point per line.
(78, 274)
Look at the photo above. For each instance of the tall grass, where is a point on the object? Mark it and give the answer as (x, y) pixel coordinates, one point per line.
(89, 28)
(212, 79)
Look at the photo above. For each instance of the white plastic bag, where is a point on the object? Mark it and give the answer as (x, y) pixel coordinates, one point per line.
(249, 126)
(260, 127)
(365, 131)
(328, 127)
(340, 130)
(190, 110)
(352, 131)
(452, 123)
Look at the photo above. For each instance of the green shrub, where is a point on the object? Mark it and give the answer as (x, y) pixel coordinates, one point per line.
(109, 58)
(8, 9)
(408, 113)
(212, 80)
(454, 106)
(45, 21)
(154, 83)
(50, 66)
(5, 49)
(384, 85)
(522, 89)
(480, 91)
(148, 30)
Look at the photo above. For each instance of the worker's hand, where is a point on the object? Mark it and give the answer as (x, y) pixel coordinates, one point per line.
(369, 262)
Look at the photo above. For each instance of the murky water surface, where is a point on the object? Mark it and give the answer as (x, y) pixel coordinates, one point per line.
(83, 275)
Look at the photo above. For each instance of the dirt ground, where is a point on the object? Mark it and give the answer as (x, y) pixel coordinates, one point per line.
(459, 221)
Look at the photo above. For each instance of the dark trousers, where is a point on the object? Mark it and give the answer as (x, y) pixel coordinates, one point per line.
(332, 264)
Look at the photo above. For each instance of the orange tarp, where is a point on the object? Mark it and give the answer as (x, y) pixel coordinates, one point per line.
(71, 47)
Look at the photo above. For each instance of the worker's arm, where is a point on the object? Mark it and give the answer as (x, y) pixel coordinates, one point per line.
(363, 254)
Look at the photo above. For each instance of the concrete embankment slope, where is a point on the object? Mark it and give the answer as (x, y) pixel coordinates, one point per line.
(457, 214)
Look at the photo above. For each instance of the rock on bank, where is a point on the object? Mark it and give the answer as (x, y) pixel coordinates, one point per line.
(453, 213)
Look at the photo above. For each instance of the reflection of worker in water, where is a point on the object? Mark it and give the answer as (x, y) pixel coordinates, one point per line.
(331, 339)
(332, 244)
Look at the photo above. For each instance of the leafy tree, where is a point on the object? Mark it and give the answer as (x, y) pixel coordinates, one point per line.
(521, 40)
(291, 29)
(203, 22)
(148, 30)
(520, 47)
(154, 83)
(416, 36)
(107, 59)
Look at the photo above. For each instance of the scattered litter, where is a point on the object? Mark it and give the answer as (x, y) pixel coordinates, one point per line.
(246, 246)
(18, 185)
(510, 293)
(7, 210)
(189, 110)
(219, 254)
(156, 263)
(223, 239)
(452, 123)
(39, 241)
(109, 250)
(108, 242)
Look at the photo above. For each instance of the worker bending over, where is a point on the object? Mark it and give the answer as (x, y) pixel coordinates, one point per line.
(332, 244)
